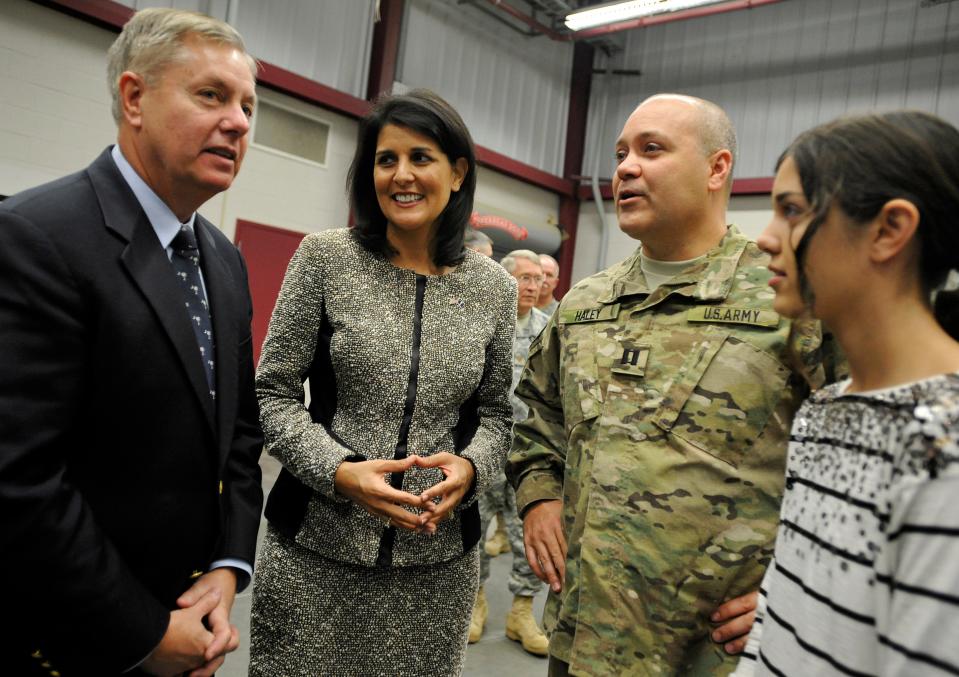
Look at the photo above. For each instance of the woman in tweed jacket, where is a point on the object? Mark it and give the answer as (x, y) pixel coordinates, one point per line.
(369, 566)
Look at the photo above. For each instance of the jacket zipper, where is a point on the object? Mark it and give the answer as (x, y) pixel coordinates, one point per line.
(385, 556)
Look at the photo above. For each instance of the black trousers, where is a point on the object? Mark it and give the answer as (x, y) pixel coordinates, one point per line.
(558, 668)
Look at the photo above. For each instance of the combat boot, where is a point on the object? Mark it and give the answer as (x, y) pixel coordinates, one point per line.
(478, 619)
(521, 627)
(498, 543)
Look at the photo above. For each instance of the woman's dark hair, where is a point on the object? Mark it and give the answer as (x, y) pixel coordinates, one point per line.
(426, 113)
(860, 163)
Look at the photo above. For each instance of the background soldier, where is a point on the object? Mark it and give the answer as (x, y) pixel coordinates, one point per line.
(498, 543)
(546, 301)
(655, 443)
(523, 583)
(478, 241)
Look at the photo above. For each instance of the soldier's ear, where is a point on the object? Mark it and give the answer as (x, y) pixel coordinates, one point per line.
(720, 168)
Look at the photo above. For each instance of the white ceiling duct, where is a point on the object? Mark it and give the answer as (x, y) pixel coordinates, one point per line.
(614, 12)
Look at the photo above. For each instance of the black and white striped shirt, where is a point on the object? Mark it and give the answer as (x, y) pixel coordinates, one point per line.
(865, 579)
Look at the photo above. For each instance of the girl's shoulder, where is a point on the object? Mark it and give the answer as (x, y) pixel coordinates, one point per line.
(931, 437)
(918, 423)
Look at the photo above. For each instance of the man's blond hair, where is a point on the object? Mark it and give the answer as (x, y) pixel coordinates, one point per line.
(509, 261)
(153, 39)
(550, 258)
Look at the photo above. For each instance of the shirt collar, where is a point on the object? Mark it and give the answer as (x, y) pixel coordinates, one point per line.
(665, 269)
(708, 278)
(164, 221)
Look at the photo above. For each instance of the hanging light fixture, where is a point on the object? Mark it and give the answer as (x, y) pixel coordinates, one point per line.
(614, 12)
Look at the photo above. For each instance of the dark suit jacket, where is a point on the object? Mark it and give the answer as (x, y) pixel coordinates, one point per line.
(119, 477)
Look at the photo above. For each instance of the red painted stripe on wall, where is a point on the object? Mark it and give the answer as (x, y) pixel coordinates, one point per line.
(753, 186)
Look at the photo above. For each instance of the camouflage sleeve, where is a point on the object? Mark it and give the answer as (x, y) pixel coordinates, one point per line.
(538, 456)
(834, 362)
(820, 359)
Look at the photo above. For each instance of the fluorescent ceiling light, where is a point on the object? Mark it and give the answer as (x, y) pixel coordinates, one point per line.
(614, 12)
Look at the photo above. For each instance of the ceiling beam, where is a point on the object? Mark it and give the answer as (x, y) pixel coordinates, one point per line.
(385, 50)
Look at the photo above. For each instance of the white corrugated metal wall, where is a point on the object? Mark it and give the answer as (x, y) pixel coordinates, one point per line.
(216, 8)
(324, 40)
(777, 69)
(512, 90)
(782, 68)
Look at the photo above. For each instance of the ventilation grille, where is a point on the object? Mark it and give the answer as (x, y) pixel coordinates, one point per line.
(291, 133)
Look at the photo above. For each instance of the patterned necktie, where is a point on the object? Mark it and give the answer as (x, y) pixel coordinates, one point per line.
(186, 263)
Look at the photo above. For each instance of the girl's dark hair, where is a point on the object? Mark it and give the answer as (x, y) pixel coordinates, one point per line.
(426, 113)
(860, 163)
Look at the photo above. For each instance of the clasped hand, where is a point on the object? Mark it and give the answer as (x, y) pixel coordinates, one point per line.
(365, 483)
(200, 633)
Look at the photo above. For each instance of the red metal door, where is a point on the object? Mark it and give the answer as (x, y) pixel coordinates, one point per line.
(267, 251)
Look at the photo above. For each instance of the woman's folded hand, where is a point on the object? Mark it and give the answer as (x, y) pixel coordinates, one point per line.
(367, 484)
(458, 474)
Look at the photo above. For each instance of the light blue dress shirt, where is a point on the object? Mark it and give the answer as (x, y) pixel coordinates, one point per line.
(167, 225)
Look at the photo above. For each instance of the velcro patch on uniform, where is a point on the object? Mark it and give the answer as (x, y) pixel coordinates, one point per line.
(734, 315)
(633, 361)
(594, 314)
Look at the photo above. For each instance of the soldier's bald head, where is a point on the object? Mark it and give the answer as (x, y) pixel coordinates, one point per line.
(716, 131)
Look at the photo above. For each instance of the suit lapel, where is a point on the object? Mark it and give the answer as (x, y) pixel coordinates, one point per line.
(222, 296)
(150, 269)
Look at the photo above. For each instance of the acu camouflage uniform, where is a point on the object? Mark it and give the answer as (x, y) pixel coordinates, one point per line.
(660, 418)
(500, 497)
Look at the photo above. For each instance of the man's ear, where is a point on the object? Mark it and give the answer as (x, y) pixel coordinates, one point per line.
(460, 169)
(720, 167)
(131, 87)
(893, 229)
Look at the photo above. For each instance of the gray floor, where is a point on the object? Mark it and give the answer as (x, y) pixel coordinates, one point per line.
(493, 655)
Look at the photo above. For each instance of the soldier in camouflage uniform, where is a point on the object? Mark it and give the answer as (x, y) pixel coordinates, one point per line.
(525, 266)
(546, 302)
(660, 399)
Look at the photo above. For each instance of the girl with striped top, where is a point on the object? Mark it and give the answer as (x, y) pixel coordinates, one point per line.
(865, 577)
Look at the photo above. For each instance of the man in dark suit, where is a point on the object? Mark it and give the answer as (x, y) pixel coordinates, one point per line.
(129, 438)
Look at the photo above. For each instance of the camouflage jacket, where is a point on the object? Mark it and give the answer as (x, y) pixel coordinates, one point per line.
(525, 334)
(660, 418)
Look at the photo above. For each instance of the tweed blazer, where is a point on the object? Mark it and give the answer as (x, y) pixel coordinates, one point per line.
(397, 363)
